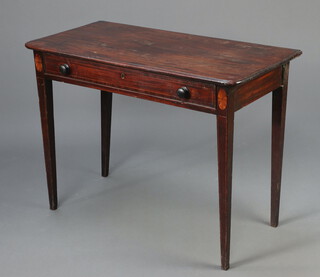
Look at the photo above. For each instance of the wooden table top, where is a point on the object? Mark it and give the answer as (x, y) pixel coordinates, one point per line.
(221, 61)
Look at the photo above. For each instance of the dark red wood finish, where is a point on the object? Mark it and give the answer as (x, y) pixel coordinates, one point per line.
(258, 87)
(47, 123)
(279, 104)
(225, 129)
(220, 77)
(225, 62)
(157, 87)
(106, 111)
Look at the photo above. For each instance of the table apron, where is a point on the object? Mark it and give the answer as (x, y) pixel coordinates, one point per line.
(133, 82)
(135, 94)
(253, 90)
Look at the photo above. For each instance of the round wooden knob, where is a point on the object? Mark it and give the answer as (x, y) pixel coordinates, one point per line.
(64, 69)
(183, 92)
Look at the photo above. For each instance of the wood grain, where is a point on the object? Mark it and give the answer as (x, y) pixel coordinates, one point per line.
(258, 87)
(225, 129)
(47, 123)
(224, 62)
(279, 104)
(157, 85)
(106, 111)
(220, 76)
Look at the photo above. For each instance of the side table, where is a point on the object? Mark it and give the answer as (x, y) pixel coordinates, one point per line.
(210, 75)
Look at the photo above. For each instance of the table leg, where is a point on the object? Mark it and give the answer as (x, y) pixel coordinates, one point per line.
(106, 110)
(279, 102)
(225, 128)
(47, 123)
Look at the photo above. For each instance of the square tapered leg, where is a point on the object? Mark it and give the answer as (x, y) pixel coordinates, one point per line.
(279, 103)
(47, 124)
(225, 129)
(106, 111)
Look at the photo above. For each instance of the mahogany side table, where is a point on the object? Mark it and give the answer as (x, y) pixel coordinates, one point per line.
(210, 75)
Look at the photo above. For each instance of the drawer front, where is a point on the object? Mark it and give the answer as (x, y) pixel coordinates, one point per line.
(150, 84)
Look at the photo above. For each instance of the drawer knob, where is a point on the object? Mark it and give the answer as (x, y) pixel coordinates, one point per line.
(183, 92)
(64, 69)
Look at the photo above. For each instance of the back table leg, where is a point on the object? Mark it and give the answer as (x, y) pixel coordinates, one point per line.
(47, 123)
(106, 110)
(279, 103)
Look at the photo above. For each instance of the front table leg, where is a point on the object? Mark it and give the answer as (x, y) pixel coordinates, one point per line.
(225, 150)
(47, 123)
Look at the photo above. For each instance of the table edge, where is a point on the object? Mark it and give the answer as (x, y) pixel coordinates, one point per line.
(220, 82)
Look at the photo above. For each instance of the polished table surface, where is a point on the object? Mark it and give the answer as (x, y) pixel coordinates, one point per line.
(206, 74)
(220, 61)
